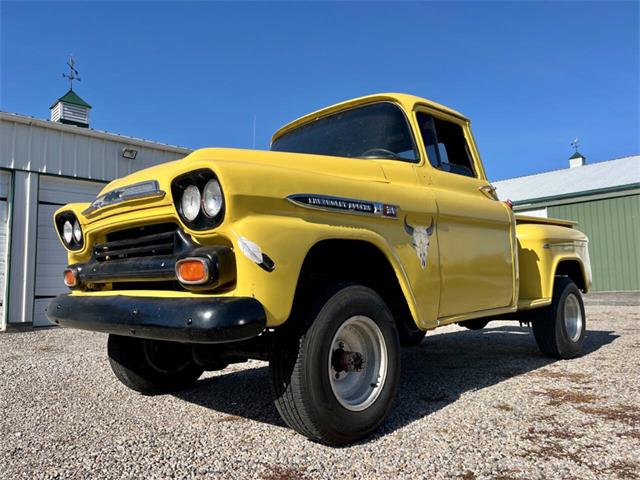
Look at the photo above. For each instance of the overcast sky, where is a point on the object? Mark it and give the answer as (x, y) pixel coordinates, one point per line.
(530, 75)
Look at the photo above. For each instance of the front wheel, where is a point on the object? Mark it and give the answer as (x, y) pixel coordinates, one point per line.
(561, 329)
(336, 382)
(152, 367)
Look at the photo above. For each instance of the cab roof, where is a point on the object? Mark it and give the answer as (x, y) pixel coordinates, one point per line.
(406, 101)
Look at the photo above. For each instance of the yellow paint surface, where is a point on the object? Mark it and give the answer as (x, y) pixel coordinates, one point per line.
(472, 268)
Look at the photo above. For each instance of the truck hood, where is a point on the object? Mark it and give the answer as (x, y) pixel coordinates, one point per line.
(362, 169)
(228, 163)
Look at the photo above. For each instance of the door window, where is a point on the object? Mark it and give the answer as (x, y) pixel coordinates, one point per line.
(446, 145)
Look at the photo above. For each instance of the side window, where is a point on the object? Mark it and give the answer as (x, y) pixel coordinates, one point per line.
(446, 146)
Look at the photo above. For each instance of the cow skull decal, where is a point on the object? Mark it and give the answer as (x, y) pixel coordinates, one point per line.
(420, 236)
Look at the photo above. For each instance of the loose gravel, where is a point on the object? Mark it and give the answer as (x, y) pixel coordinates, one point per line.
(471, 405)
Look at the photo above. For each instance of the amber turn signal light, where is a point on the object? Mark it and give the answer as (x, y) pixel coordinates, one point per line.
(192, 271)
(70, 279)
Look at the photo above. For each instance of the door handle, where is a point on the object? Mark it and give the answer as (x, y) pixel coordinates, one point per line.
(489, 190)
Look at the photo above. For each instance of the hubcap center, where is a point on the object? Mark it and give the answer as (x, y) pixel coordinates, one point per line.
(347, 361)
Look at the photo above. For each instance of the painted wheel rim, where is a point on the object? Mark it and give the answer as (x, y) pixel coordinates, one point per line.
(357, 363)
(573, 321)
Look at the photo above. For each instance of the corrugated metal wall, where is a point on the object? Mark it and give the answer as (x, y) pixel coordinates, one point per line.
(48, 147)
(613, 227)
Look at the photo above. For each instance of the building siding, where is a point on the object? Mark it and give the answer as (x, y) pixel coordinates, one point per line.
(48, 147)
(613, 228)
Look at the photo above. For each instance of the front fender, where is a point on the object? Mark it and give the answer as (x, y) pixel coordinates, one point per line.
(286, 241)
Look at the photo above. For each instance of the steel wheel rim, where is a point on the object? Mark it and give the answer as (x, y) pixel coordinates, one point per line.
(573, 321)
(358, 390)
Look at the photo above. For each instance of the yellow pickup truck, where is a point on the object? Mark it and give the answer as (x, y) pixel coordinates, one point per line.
(367, 224)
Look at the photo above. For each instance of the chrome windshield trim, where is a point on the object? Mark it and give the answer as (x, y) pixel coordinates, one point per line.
(328, 203)
(137, 191)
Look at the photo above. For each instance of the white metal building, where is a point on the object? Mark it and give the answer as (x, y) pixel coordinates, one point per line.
(45, 164)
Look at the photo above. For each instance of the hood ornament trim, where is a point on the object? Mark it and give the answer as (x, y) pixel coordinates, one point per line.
(137, 191)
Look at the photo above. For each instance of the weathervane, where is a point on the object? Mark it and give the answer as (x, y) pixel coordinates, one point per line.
(576, 143)
(73, 73)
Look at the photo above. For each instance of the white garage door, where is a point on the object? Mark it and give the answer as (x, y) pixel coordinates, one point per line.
(51, 257)
(5, 178)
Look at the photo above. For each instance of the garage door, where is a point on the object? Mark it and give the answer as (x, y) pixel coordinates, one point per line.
(5, 178)
(51, 257)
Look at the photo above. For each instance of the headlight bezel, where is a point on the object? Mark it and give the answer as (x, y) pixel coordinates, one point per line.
(199, 178)
(60, 220)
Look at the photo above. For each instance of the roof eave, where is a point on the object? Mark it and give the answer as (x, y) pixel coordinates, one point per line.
(584, 193)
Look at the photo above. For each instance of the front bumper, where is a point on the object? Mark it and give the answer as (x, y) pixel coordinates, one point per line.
(192, 320)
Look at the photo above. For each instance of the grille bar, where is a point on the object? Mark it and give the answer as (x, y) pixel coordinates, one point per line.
(134, 241)
(154, 249)
(137, 242)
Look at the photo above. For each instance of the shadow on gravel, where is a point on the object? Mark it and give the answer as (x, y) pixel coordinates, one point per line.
(434, 374)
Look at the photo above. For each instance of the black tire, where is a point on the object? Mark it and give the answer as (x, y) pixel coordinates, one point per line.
(549, 327)
(475, 324)
(152, 367)
(410, 335)
(301, 374)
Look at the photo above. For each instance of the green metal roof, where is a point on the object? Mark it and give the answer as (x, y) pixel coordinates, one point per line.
(577, 154)
(73, 98)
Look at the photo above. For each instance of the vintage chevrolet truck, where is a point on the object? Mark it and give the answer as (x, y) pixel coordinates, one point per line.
(367, 224)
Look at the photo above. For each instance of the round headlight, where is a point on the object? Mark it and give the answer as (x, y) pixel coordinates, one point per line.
(190, 203)
(212, 198)
(67, 232)
(77, 232)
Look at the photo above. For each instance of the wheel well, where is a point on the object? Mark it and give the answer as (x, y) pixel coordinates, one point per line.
(354, 261)
(573, 270)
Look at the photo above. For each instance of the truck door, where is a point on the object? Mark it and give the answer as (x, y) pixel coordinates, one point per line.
(473, 228)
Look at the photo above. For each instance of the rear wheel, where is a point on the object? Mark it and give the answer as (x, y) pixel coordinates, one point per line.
(152, 367)
(560, 330)
(336, 382)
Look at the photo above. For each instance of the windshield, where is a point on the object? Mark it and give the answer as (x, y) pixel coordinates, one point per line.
(378, 130)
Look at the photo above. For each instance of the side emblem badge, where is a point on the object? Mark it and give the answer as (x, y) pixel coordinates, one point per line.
(420, 235)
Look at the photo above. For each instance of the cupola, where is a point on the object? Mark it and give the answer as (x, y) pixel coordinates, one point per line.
(577, 159)
(70, 108)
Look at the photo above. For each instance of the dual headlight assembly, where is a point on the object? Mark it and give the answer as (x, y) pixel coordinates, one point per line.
(70, 230)
(198, 199)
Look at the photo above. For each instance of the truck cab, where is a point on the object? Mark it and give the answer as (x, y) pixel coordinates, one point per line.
(365, 225)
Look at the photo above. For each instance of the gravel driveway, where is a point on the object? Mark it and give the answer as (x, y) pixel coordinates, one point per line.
(471, 405)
